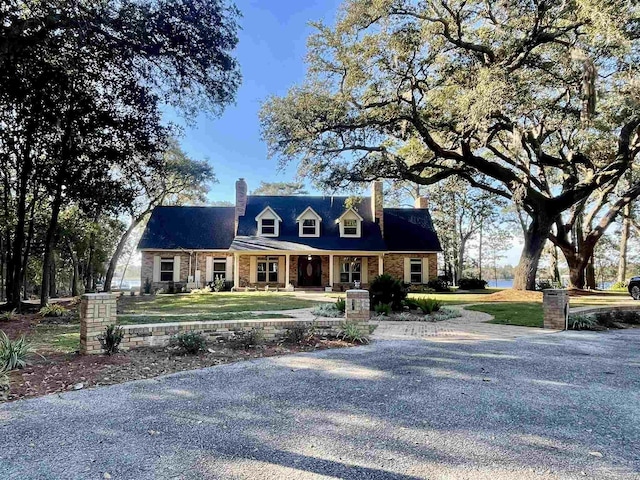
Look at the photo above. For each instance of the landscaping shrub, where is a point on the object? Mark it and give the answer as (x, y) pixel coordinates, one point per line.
(582, 322)
(612, 319)
(427, 305)
(300, 334)
(388, 290)
(218, 284)
(147, 286)
(52, 310)
(13, 353)
(619, 286)
(341, 305)
(383, 309)
(111, 338)
(543, 285)
(438, 285)
(189, 342)
(247, 339)
(350, 332)
(7, 316)
(330, 310)
(472, 284)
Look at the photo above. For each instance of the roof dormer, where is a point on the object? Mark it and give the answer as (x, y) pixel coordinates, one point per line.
(309, 223)
(268, 223)
(350, 224)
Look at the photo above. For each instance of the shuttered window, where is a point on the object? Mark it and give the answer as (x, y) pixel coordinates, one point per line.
(166, 269)
(416, 270)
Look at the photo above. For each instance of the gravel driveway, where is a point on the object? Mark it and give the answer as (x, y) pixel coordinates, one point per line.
(565, 405)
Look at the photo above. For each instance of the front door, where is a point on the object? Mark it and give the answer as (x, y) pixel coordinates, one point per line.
(309, 271)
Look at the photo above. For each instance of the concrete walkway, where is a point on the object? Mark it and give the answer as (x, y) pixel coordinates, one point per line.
(470, 327)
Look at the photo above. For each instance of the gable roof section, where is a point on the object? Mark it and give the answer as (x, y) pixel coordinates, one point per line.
(410, 230)
(268, 210)
(289, 209)
(189, 228)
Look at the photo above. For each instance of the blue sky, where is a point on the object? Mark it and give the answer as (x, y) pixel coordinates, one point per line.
(271, 54)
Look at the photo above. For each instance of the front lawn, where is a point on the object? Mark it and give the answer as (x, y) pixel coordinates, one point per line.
(221, 302)
(516, 313)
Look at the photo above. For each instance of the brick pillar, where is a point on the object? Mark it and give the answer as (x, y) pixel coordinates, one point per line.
(97, 312)
(555, 304)
(357, 306)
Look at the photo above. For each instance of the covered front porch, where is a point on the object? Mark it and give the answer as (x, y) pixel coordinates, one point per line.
(336, 271)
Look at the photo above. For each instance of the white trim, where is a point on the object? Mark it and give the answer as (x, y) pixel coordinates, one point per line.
(265, 211)
(308, 210)
(269, 214)
(347, 211)
(309, 214)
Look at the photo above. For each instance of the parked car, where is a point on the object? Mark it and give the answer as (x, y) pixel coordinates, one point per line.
(634, 288)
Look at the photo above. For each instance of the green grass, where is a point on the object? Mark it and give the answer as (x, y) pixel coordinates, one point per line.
(55, 338)
(524, 314)
(447, 298)
(143, 319)
(222, 302)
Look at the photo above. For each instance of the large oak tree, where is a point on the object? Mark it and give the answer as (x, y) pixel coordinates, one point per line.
(539, 97)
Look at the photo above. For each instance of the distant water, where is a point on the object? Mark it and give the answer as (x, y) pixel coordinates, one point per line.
(500, 283)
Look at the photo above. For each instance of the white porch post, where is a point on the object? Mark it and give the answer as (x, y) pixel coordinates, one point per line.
(380, 265)
(331, 270)
(286, 270)
(236, 270)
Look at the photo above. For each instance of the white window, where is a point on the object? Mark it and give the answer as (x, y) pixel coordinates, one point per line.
(268, 226)
(309, 226)
(416, 270)
(268, 223)
(220, 268)
(166, 269)
(309, 223)
(350, 269)
(350, 224)
(267, 269)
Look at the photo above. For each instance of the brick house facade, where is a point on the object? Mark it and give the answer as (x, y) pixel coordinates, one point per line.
(289, 242)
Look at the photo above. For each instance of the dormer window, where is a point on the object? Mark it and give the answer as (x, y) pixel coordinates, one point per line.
(268, 223)
(309, 223)
(268, 226)
(309, 227)
(350, 224)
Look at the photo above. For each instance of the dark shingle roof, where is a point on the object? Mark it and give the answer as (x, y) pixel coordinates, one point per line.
(410, 230)
(211, 228)
(289, 208)
(190, 228)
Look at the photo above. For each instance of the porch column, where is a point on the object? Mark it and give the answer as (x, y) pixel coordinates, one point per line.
(380, 265)
(286, 270)
(331, 270)
(236, 270)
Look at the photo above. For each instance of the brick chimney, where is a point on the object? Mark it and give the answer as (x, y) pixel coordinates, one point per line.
(377, 204)
(241, 201)
(421, 202)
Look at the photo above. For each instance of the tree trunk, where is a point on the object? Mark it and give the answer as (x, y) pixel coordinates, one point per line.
(624, 238)
(480, 254)
(590, 272)
(534, 240)
(116, 254)
(53, 292)
(555, 271)
(48, 245)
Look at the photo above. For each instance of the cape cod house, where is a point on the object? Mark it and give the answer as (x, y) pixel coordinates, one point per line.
(302, 242)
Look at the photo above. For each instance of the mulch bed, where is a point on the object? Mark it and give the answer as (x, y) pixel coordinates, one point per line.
(62, 372)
